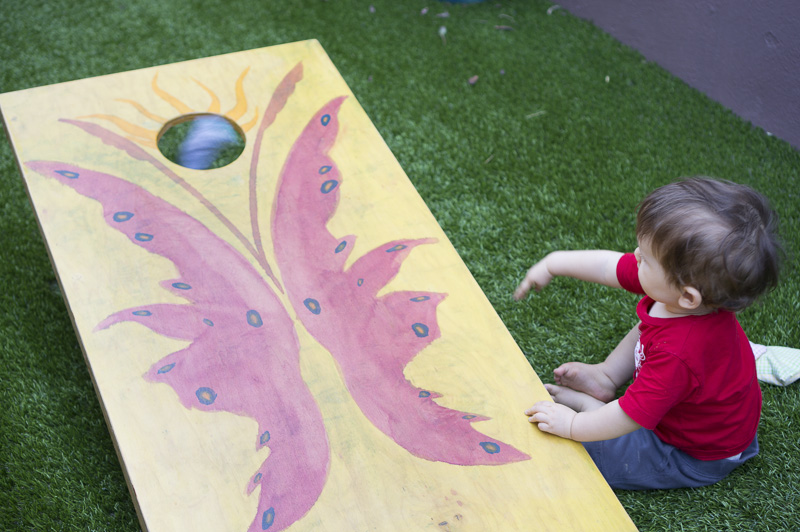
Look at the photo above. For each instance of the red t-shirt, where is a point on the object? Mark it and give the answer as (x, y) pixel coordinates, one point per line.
(695, 382)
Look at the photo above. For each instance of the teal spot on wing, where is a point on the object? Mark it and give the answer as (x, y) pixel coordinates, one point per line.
(257, 478)
(420, 298)
(398, 247)
(181, 286)
(68, 174)
(312, 305)
(329, 186)
(490, 447)
(469, 416)
(166, 369)
(267, 518)
(122, 216)
(206, 396)
(420, 329)
(341, 246)
(141, 313)
(360, 282)
(424, 394)
(254, 318)
(208, 322)
(264, 438)
(325, 169)
(325, 120)
(143, 237)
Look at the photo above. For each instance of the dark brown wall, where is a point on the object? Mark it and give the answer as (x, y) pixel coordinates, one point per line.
(744, 54)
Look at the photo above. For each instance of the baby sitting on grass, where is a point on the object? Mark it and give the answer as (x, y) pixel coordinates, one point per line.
(707, 249)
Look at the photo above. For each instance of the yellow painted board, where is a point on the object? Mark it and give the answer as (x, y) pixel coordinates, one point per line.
(289, 341)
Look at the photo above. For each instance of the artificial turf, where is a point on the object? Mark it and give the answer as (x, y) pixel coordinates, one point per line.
(553, 146)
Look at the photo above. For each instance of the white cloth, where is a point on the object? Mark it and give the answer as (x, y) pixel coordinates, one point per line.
(777, 365)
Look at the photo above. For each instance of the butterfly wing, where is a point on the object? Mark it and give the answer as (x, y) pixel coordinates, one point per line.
(244, 354)
(371, 337)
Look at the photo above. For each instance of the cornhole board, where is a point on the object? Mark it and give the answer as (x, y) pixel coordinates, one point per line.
(289, 341)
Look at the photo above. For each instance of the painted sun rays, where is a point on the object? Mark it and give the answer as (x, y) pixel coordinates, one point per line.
(149, 137)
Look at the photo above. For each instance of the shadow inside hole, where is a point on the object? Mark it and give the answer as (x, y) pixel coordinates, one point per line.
(201, 141)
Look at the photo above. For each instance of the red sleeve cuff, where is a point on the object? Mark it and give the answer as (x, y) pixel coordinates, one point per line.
(637, 414)
(628, 274)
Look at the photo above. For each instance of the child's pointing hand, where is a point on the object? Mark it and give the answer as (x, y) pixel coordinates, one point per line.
(537, 277)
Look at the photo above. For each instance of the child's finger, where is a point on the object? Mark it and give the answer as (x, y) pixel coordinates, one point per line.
(539, 406)
(535, 419)
(536, 413)
(545, 427)
(523, 289)
(532, 410)
(520, 292)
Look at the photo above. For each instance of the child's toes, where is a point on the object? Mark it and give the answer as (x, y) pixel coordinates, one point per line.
(553, 390)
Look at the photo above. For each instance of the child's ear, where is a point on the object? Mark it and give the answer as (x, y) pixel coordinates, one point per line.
(690, 298)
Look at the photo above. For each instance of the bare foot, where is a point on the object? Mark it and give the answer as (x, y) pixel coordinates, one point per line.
(587, 378)
(578, 401)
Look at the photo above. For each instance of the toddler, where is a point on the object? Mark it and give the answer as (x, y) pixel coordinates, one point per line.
(707, 249)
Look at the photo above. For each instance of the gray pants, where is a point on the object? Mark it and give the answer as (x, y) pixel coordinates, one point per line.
(640, 461)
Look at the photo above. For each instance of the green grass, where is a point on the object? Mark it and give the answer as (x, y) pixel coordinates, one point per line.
(542, 153)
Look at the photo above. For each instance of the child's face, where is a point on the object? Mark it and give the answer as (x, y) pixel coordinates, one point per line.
(653, 278)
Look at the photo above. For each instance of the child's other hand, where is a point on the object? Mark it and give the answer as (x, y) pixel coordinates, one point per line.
(552, 417)
(537, 278)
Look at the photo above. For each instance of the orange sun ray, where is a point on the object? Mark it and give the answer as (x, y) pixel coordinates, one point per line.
(139, 107)
(249, 125)
(241, 100)
(170, 99)
(149, 137)
(214, 107)
(131, 129)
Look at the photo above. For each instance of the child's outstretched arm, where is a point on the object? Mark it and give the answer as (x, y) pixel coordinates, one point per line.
(607, 422)
(596, 265)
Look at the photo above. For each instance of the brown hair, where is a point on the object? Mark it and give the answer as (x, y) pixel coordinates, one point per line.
(716, 236)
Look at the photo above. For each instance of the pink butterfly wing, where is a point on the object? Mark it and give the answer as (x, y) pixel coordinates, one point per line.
(371, 337)
(244, 355)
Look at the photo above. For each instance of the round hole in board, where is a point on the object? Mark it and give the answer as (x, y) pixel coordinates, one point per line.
(201, 141)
